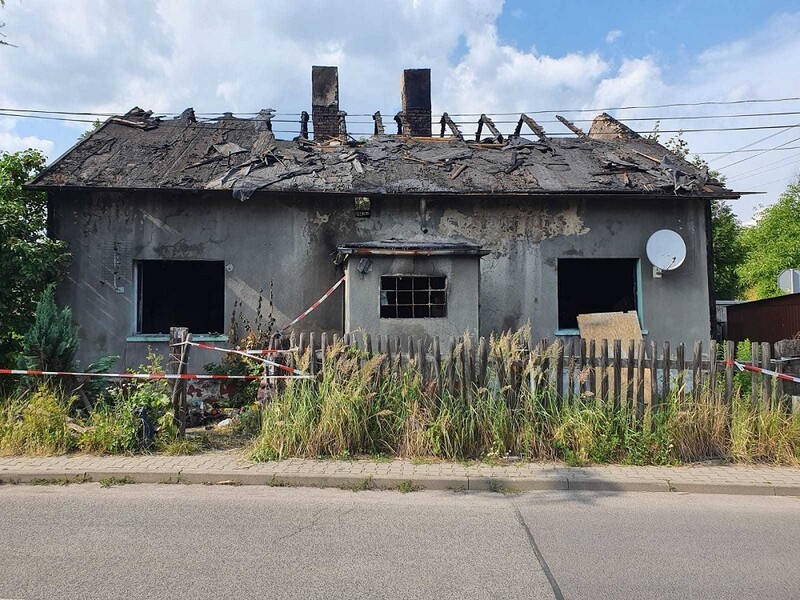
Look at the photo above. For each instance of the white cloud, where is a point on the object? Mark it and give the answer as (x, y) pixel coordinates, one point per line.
(613, 35)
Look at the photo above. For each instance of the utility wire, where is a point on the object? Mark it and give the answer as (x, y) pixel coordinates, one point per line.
(763, 169)
(218, 122)
(760, 153)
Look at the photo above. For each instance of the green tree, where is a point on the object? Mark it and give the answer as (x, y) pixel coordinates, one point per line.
(726, 230)
(52, 341)
(29, 260)
(772, 245)
(729, 251)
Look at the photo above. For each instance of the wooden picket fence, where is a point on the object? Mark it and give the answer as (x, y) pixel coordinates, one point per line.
(631, 374)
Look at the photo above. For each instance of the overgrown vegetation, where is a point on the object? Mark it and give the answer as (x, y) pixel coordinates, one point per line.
(29, 260)
(367, 405)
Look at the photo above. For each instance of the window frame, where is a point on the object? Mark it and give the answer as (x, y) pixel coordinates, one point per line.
(638, 291)
(429, 289)
(136, 304)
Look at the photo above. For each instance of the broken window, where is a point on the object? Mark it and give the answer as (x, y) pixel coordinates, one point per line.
(413, 297)
(180, 293)
(593, 285)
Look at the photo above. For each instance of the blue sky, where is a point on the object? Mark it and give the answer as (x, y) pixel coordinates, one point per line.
(486, 56)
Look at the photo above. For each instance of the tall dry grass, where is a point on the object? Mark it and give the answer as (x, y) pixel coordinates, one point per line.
(367, 405)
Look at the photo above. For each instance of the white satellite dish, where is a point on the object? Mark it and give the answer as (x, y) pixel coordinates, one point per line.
(666, 250)
(789, 281)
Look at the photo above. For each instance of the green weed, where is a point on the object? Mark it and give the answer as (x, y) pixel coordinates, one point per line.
(107, 482)
(405, 487)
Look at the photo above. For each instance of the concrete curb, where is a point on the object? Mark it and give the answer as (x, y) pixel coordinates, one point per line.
(393, 482)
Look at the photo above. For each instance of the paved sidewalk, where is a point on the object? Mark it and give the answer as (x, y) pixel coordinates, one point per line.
(230, 467)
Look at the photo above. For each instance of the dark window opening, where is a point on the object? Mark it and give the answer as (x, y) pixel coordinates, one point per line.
(180, 293)
(594, 285)
(413, 297)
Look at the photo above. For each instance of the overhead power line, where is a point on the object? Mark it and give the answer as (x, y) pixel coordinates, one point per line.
(761, 153)
(549, 111)
(555, 134)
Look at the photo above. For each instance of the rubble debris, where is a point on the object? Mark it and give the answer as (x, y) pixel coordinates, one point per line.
(243, 157)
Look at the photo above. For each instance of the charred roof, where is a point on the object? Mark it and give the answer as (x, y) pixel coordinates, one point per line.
(138, 151)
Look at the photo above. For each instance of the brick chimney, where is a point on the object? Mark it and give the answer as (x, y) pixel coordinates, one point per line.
(325, 102)
(415, 93)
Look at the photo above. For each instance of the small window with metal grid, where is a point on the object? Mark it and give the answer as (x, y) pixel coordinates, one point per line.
(413, 297)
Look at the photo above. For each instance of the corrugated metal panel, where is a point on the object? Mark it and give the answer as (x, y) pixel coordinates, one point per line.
(768, 320)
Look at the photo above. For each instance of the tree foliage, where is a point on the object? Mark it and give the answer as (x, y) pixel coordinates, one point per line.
(52, 341)
(726, 230)
(772, 245)
(29, 260)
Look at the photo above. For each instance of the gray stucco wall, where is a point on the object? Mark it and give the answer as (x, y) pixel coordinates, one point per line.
(290, 240)
(362, 295)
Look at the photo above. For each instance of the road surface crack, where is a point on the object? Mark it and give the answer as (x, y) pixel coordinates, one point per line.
(538, 553)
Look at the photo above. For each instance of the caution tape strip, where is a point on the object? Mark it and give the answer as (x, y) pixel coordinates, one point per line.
(755, 369)
(245, 354)
(316, 304)
(147, 375)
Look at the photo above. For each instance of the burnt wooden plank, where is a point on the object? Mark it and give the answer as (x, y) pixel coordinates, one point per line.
(572, 127)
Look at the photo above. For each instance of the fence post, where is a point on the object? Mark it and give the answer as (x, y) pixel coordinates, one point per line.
(592, 370)
(312, 354)
(730, 356)
(178, 360)
(558, 347)
(667, 374)
(712, 371)
(570, 372)
(483, 350)
(604, 370)
(653, 376)
(323, 346)
(766, 381)
(640, 381)
(697, 357)
(754, 387)
(779, 387)
(629, 398)
(617, 377)
(680, 365)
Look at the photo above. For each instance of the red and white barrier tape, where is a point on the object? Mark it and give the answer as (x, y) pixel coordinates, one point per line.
(316, 304)
(755, 369)
(242, 353)
(147, 375)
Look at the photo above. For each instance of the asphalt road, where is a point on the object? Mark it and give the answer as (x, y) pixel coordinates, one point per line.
(175, 541)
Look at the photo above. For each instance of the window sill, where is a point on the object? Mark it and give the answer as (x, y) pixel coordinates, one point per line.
(577, 332)
(164, 337)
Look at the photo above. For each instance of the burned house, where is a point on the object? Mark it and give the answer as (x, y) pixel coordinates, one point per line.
(174, 221)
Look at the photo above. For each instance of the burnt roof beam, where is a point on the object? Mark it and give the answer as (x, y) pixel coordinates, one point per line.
(533, 125)
(449, 123)
(484, 120)
(572, 127)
